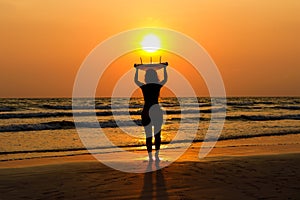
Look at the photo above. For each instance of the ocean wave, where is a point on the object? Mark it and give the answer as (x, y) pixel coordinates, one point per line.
(62, 114)
(98, 107)
(239, 103)
(287, 107)
(249, 107)
(235, 137)
(7, 109)
(38, 127)
(263, 117)
(60, 150)
(61, 125)
(108, 107)
(99, 113)
(253, 102)
(265, 102)
(35, 115)
(245, 136)
(52, 107)
(204, 104)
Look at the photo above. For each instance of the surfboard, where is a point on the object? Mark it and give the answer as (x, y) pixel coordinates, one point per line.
(154, 66)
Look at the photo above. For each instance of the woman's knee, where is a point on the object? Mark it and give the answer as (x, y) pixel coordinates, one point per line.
(157, 130)
(148, 131)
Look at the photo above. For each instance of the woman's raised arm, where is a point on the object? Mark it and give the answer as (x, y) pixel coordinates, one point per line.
(136, 78)
(165, 76)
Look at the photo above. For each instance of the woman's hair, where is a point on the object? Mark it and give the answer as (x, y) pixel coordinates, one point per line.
(151, 76)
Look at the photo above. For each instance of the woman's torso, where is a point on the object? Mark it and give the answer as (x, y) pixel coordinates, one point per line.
(151, 94)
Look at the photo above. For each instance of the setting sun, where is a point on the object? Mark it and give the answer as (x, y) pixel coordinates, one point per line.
(150, 43)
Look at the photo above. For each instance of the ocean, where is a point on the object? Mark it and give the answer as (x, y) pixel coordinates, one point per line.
(44, 127)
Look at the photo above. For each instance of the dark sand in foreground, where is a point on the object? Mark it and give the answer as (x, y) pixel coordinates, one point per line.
(259, 175)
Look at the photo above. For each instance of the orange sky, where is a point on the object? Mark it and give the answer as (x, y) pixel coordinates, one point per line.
(254, 43)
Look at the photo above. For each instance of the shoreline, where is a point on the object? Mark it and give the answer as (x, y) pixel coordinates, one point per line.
(268, 145)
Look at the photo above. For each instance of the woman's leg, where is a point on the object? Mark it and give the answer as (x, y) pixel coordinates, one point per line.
(157, 142)
(148, 131)
(157, 136)
(156, 116)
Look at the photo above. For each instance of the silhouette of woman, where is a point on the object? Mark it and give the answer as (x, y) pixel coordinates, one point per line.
(152, 114)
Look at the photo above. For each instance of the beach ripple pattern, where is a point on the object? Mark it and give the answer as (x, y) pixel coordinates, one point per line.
(104, 54)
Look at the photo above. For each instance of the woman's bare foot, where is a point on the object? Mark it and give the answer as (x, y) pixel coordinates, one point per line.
(150, 156)
(156, 156)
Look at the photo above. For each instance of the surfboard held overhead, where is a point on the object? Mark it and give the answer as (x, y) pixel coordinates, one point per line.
(151, 65)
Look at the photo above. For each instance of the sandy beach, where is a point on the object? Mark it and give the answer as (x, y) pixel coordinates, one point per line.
(244, 171)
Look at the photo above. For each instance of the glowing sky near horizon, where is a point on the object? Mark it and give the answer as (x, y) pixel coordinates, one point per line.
(255, 44)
